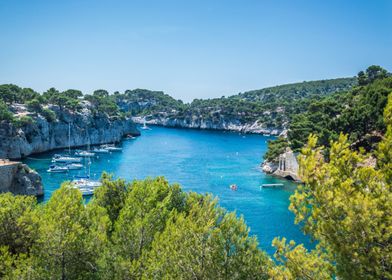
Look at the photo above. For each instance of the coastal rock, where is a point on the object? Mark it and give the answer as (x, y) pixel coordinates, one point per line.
(285, 166)
(200, 123)
(42, 135)
(18, 178)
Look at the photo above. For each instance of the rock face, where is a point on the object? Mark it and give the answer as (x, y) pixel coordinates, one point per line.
(41, 135)
(217, 124)
(286, 166)
(18, 178)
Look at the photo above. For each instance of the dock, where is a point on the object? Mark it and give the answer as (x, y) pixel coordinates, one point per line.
(271, 185)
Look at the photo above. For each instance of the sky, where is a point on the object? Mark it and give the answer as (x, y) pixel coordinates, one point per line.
(189, 49)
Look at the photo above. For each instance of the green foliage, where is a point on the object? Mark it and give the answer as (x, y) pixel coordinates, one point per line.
(5, 114)
(372, 73)
(103, 103)
(345, 205)
(10, 93)
(358, 113)
(206, 243)
(275, 148)
(271, 106)
(34, 105)
(23, 121)
(145, 102)
(17, 231)
(295, 262)
(48, 114)
(147, 229)
(68, 99)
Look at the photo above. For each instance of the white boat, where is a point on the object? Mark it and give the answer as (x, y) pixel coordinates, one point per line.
(57, 169)
(66, 159)
(84, 154)
(145, 127)
(86, 191)
(111, 148)
(86, 183)
(74, 166)
(100, 151)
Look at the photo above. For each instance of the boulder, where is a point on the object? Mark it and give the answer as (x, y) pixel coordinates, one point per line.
(18, 178)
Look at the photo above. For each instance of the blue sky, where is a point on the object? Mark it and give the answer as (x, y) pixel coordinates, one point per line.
(189, 49)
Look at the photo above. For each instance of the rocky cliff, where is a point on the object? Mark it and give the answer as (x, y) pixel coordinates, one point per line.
(42, 135)
(201, 123)
(18, 178)
(285, 166)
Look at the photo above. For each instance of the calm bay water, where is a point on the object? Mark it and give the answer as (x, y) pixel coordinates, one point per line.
(204, 162)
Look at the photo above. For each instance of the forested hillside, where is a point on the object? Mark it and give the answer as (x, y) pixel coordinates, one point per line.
(272, 106)
(357, 112)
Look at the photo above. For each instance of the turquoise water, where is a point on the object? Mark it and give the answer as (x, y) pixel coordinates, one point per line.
(204, 162)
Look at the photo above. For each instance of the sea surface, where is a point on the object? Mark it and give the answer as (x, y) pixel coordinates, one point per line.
(204, 162)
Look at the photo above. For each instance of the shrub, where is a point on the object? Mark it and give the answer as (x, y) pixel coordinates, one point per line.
(34, 105)
(22, 121)
(48, 114)
(5, 114)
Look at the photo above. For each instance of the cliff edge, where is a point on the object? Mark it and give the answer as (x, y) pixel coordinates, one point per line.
(285, 166)
(18, 178)
(42, 135)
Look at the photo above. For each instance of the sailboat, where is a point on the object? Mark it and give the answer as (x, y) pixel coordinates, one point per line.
(66, 158)
(57, 169)
(84, 183)
(145, 127)
(87, 153)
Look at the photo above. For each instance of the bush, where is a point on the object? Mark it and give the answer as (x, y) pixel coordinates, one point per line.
(275, 148)
(34, 105)
(22, 121)
(48, 114)
(5, 114)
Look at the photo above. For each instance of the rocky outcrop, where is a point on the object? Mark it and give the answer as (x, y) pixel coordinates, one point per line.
(285, 166)
(211, 124)
(18, 178)
(42, 135)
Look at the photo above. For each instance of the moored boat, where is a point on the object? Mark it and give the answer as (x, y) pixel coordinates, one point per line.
(57, 169)
(100, 151)
(74, 166)
(111, 148)
(66, 159)
(84, 154)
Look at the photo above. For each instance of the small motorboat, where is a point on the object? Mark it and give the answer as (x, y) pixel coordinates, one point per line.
(74, 166)
(100, 151)
(84, 154)
(57, 169)
(66, 159)
(86, 191)
(86, 183)
(131, 137)
(111, 148)
(233, 187)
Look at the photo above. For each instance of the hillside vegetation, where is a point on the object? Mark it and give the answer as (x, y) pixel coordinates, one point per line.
(357, 112)
(271, 106)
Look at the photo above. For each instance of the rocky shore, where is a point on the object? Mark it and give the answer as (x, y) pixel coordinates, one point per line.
(42, 135)
(18, 178)
(285, 166)
(200, 123)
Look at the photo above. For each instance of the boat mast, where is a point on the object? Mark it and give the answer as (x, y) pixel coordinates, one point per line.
(69, 138)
